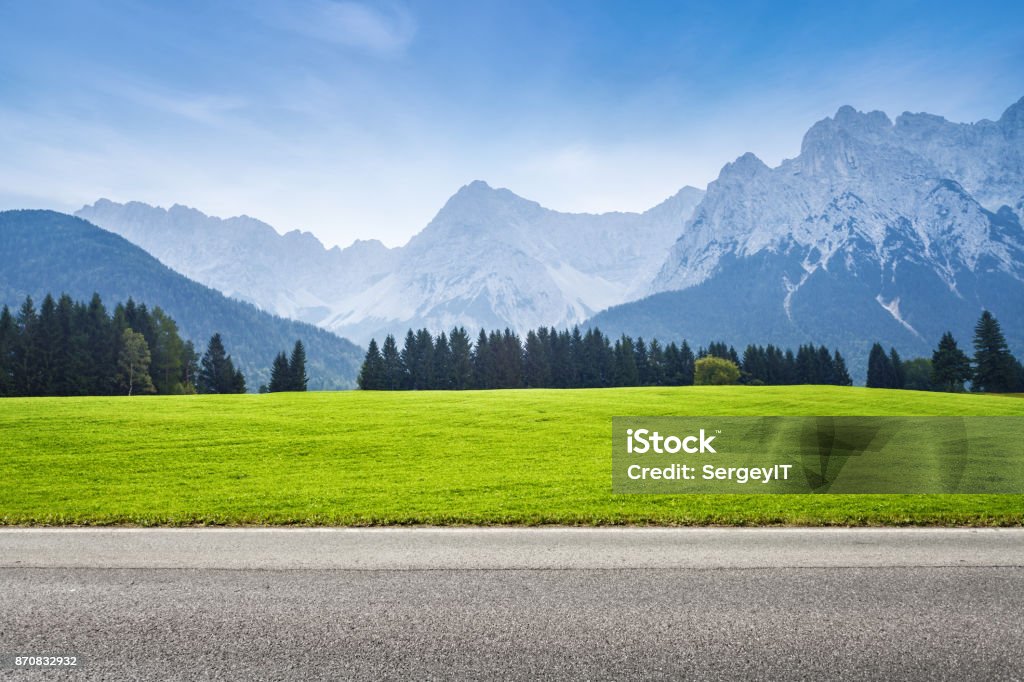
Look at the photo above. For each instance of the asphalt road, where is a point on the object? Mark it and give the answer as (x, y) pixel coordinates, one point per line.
(516, 603)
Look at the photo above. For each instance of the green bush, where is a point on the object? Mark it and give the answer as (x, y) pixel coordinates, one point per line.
(712, 371)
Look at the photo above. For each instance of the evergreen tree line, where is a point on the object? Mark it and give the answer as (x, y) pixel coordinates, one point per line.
(992, 369)
(548, 358)
(288, 374)
(67, 348)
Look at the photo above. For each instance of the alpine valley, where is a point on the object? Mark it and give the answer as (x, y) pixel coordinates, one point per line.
(879, 230)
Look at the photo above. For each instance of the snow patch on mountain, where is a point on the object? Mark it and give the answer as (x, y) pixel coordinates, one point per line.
(893, 308)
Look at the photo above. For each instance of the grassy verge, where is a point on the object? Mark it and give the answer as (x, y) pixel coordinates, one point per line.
(354, 458)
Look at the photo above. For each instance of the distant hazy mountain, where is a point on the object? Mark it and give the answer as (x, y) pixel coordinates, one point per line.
(290, 275)
(488, 259)
(493, 259)
(44, 251)
(876, 231)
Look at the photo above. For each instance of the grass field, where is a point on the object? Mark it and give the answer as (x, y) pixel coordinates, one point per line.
(355, 458)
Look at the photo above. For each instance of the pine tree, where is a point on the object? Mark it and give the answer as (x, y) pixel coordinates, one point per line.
(212, 368)
(422, 367)
(563, 372)
(483, 363)
(26, 362)
(138, 318)
(119, 319)
(1018, 386)
(371, 374)
(70, 362)
(595, 369)
(775, 365)
(75, 315)
(826, 368)
(65, 376)
(687, 364)
(442, 369)
(642, 362)
(576, 357)
(411, 360)
(100, 340)
(538, 367)
(394, 371)
(656, 363)
(754, 367)
(807, 369)
(48, 347)
(237, 380)
(297, 368)
(719, 349)
(994, 366)
(496, 345)
(679, 362)
(8, 339)
(217, 373)
(133, 364)
(842, 375)
(462, 359)
(672, 364)
(789, 373)
(280, 374)
(509, 359)
(127, 310)
(606, 358)
(950, 366)
(544, 348)
(880, 372)
(899, 375)
(500, 352)
(626, 371)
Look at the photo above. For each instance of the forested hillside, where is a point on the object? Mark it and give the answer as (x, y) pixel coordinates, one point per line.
(46, 251)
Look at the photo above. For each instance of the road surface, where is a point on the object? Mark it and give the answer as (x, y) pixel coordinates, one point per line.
(515, 603)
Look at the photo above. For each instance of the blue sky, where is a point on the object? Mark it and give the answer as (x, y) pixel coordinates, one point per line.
(360, 119)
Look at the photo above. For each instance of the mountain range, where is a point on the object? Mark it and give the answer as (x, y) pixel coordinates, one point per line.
(488, 259)
(879, 230)
(894, 231)
(48, 252)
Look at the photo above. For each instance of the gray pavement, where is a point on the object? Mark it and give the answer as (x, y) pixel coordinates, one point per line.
(507, 548)
(516, 603)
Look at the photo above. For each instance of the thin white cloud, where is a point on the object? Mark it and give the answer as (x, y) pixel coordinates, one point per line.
(378, 29)
(206, 108)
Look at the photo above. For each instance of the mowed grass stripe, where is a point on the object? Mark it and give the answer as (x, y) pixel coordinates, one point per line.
(364, 458)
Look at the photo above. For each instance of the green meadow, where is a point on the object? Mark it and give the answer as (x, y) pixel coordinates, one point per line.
(379, 458)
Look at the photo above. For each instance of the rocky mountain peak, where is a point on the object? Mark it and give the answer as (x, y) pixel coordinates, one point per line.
(745, 167)
(1012, 119)
(480, 207)
(848, 118)
(679, 206)
(849, 127)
